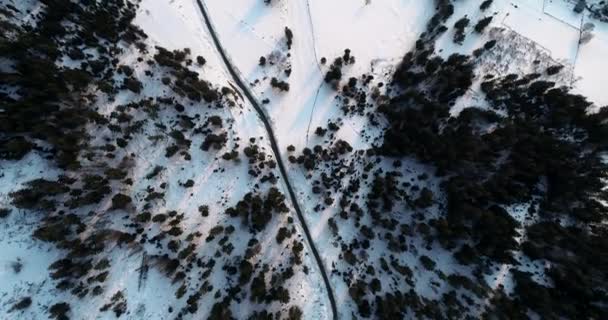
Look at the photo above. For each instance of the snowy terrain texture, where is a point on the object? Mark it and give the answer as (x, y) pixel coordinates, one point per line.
(303, 159)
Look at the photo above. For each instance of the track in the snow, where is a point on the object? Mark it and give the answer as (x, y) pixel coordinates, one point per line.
(275, 148)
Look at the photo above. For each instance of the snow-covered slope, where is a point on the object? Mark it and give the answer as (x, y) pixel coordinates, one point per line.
(531, 35)
(197, 172)
(184, 182)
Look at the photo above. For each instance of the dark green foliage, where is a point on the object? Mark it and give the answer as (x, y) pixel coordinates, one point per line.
(4, 212)
(296, 249)
(143, 217)
(427, 262)
(204, 210)
(554, 69)
(281, 85)
(133, 85)
(232, 155)
(489, 45)
(170, 151)
(221, 311)
(15, 148)
(216, 121)
(335, 72)
(447, 79)
(425, 199)
(482, 24)
(217, 141)
(459, 27)
(186, 252)
(39, 195)
(294, 313)
(547, 139)
(22, 304)
(245, 272)
(384, 188)
(187, 83)
(579, 286)
(320, 131)
(52, 232)
(120, 201)
(282, 234)
(357, 292)
(485, 5)
(51, 105)
(155, 172)
(173, 59)
(258, 288)
(118, 304)
(115, 174)
(256, 211)
(200, 60)
(289, 37)
(180, 139)
(188, 184)
(59, 311)
(95, 188)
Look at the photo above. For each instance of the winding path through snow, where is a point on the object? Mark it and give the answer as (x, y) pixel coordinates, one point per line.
(275, 148)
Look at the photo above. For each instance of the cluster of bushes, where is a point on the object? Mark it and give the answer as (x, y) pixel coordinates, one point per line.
(598, 10)
(310, 158)
(59, 311)
(444, 79)
(215, 141)
(187, 82)
(459, 28)
(257, 210)
(260, 293)
(4, 212)
(485, 5)
(334, 74)
(289, 37)
(384, 189)
(260, 163)
(94, 189)
(23, 303)
(40, 194)
(279, 84)
(181, 144)
(482, 24)
(118, 304)
(15, 148)
(444, 10)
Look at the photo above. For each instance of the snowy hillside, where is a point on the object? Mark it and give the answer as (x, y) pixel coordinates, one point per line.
(304, 159)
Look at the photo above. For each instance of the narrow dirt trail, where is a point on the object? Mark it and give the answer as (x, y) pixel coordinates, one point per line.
(275, 148)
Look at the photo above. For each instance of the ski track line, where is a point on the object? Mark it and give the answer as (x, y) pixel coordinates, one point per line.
(275, 148)
(314, 49)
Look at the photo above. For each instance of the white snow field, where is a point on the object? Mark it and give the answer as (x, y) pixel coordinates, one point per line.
(378, 33)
